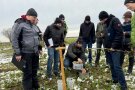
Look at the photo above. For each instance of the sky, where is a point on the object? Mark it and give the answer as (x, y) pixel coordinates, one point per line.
(74, 11)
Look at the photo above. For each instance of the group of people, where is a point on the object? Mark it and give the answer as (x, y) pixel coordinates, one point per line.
(115, 37)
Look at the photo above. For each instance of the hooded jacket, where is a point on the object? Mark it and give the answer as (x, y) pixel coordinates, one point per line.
(55, 33)
(114, 33)
(29, 41)
(87, 32)
(127, 29)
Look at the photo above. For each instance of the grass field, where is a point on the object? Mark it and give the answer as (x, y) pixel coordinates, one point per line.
(10, 76)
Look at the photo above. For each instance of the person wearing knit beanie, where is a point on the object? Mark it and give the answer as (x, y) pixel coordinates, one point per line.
(61, 16)
(32, 12)
(103, 15)
(64, 24)
(57, 21)
(130, 4)
(129, 1)
(87, 18)
(31, 15)
(27, 54)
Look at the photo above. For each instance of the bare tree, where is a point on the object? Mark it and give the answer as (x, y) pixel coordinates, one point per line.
(7, 33)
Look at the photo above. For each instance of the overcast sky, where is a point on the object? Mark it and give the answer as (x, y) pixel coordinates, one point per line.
(48, 10)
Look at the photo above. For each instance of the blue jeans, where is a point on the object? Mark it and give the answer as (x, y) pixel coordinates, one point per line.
(53, 56)
(67, 63)
(116, 69)
(89, 45)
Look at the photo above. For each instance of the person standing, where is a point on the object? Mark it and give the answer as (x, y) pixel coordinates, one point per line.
(64, 25)
(130, 4)
(113, 41)
(64, 28)
(25, 42)
(99, 40)
(87, 32)
(53, 38)
(126, 41)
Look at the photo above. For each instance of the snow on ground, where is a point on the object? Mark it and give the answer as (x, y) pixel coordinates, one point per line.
(4, 59)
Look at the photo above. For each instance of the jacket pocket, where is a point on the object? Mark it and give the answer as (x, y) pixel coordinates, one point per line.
(36, 41)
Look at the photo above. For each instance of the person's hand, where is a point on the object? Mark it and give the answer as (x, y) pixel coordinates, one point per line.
(124, 33)
(102, 34)
(111, 49)
(83, 71)
(79, 60)
(49, 46)
(18, 58)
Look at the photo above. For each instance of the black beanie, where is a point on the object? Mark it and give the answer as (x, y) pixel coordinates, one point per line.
(31, 12)
(57, 20)
(103, 15)
(61, 16)
(87, 18)
(129, 1)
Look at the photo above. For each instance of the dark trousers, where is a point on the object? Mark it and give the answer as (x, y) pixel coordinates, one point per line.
(116, 69)
(30, 80)
(131, 61)
(89, 45)
(100, 42)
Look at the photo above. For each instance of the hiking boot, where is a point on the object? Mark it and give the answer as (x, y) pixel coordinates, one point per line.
(57, 74)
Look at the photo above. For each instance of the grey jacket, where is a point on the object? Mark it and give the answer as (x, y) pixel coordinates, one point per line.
(30, 38)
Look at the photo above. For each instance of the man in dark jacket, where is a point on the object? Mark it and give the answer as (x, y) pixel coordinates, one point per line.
(64, 25)
(53, 38)
(126, 41)
(113, 41)
(64, 28)
(87, 32)
(75, 52)
(25, 42)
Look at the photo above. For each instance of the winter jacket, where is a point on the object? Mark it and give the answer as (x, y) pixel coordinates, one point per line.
(28, 33)
(127, 35)
(87, 32)
(133, 31)
(54, 33)
(64, 28)
(73, 53)
(100, 30)
(113, 33)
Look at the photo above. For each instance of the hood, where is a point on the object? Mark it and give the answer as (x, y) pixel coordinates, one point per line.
(107, 22)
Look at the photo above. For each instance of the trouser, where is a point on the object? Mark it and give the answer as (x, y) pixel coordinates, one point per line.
(131, 60)
(100, 42)
(89, 45)
(30, 80)
(116, 69)
(53, 56)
